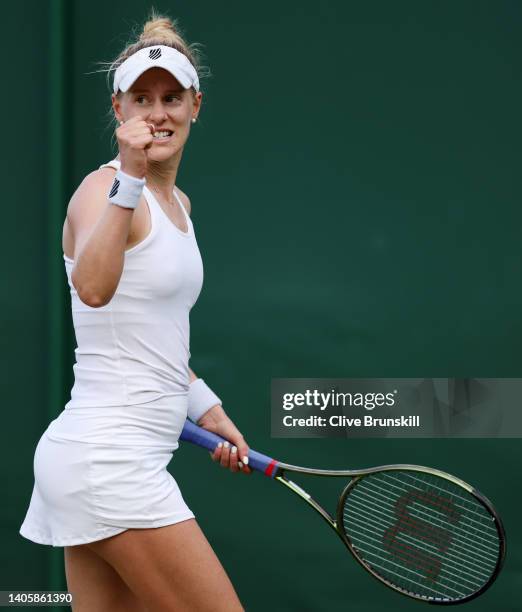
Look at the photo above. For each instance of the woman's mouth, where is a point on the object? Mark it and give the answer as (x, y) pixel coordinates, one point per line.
(162, 135)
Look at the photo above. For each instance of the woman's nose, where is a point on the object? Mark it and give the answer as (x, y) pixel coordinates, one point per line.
(158, 113)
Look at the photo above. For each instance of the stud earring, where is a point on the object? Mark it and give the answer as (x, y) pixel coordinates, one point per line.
(193, 119)
(121, 122)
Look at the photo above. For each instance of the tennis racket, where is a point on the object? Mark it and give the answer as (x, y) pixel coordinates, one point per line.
(420, 531)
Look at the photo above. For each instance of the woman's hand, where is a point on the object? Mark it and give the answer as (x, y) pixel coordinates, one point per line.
(134, 139)
(233, 455)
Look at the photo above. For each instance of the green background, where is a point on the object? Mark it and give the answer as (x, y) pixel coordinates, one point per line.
(354, 179)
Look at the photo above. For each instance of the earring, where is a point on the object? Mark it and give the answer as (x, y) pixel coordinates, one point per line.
(193, 119)
(122, 122)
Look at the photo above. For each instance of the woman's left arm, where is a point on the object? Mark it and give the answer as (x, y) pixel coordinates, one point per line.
(233, 456)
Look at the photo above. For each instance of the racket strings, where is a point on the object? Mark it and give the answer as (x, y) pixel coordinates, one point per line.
(402, 552)
(465, 539)
(412, 557)
(486, 541)
(407, 549)
(478, 569)
(422, 533)
(480, 523)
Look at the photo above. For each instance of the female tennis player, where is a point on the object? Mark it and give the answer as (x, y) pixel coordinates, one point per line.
(102, 489)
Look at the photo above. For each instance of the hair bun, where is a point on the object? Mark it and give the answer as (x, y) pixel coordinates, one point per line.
(160, 29)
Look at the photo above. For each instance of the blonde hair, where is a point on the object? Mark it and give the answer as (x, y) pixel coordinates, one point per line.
(157, 30)
(161, 30)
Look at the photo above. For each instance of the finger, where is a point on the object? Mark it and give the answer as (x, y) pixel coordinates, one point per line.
(134, 139)
(216, 455)
(139, 140)
(233, 459)
(152, 129)
(244, 467)
(143, 142)
(135, 119)
(142, 131)
(225, 454)
(140, 127)
(136, 127)
(242, 451)
(130, 123)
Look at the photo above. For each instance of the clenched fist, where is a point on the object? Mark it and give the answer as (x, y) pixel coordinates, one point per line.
(134, 139)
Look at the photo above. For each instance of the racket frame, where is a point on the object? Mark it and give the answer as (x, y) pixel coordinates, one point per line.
(337, 522)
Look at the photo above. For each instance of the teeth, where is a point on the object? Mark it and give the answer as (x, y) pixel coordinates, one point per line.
(163, 134)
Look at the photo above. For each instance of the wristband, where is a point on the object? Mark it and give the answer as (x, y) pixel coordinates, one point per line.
(200, 399)
(126, 190)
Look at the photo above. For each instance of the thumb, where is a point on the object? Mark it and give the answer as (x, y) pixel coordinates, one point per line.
(152, 129)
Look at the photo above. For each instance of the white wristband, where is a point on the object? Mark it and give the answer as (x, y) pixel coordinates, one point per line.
(126, 190)
(200, 399)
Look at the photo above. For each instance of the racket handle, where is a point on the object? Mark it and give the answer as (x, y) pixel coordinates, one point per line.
(206, 439)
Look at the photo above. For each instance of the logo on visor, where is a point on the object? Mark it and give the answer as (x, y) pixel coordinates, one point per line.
(155, 53)
(114, 189)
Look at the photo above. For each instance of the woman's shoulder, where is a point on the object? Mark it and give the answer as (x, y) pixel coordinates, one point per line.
(94, 187)
(95, 180)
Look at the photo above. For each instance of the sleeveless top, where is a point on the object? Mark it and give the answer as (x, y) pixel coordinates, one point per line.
(133, 353)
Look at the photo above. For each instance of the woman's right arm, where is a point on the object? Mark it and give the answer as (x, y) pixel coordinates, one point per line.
(100, 230)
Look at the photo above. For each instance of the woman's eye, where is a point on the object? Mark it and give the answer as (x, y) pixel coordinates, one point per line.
(170, 98)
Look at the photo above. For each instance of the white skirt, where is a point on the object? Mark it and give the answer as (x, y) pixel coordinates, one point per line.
(86, 491)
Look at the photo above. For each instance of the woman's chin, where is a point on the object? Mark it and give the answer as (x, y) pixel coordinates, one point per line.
(161, 152)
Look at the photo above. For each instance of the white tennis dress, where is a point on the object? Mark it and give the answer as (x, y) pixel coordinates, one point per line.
(101, 466)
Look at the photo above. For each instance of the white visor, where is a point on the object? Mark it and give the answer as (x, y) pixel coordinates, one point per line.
(158, 56)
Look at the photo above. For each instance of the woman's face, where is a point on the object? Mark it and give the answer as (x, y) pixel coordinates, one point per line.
(158, 98)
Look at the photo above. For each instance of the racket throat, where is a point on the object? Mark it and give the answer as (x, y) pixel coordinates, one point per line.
(308, 499)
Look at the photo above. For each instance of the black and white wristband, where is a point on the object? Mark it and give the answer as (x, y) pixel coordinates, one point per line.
(126, 190)
(200, 399)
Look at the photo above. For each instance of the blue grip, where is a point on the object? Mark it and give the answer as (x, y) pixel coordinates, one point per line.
(206, 439)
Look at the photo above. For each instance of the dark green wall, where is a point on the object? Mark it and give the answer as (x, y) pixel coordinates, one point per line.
(354, 180)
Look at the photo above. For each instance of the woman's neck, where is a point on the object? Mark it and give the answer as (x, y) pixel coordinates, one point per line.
(161, 176)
